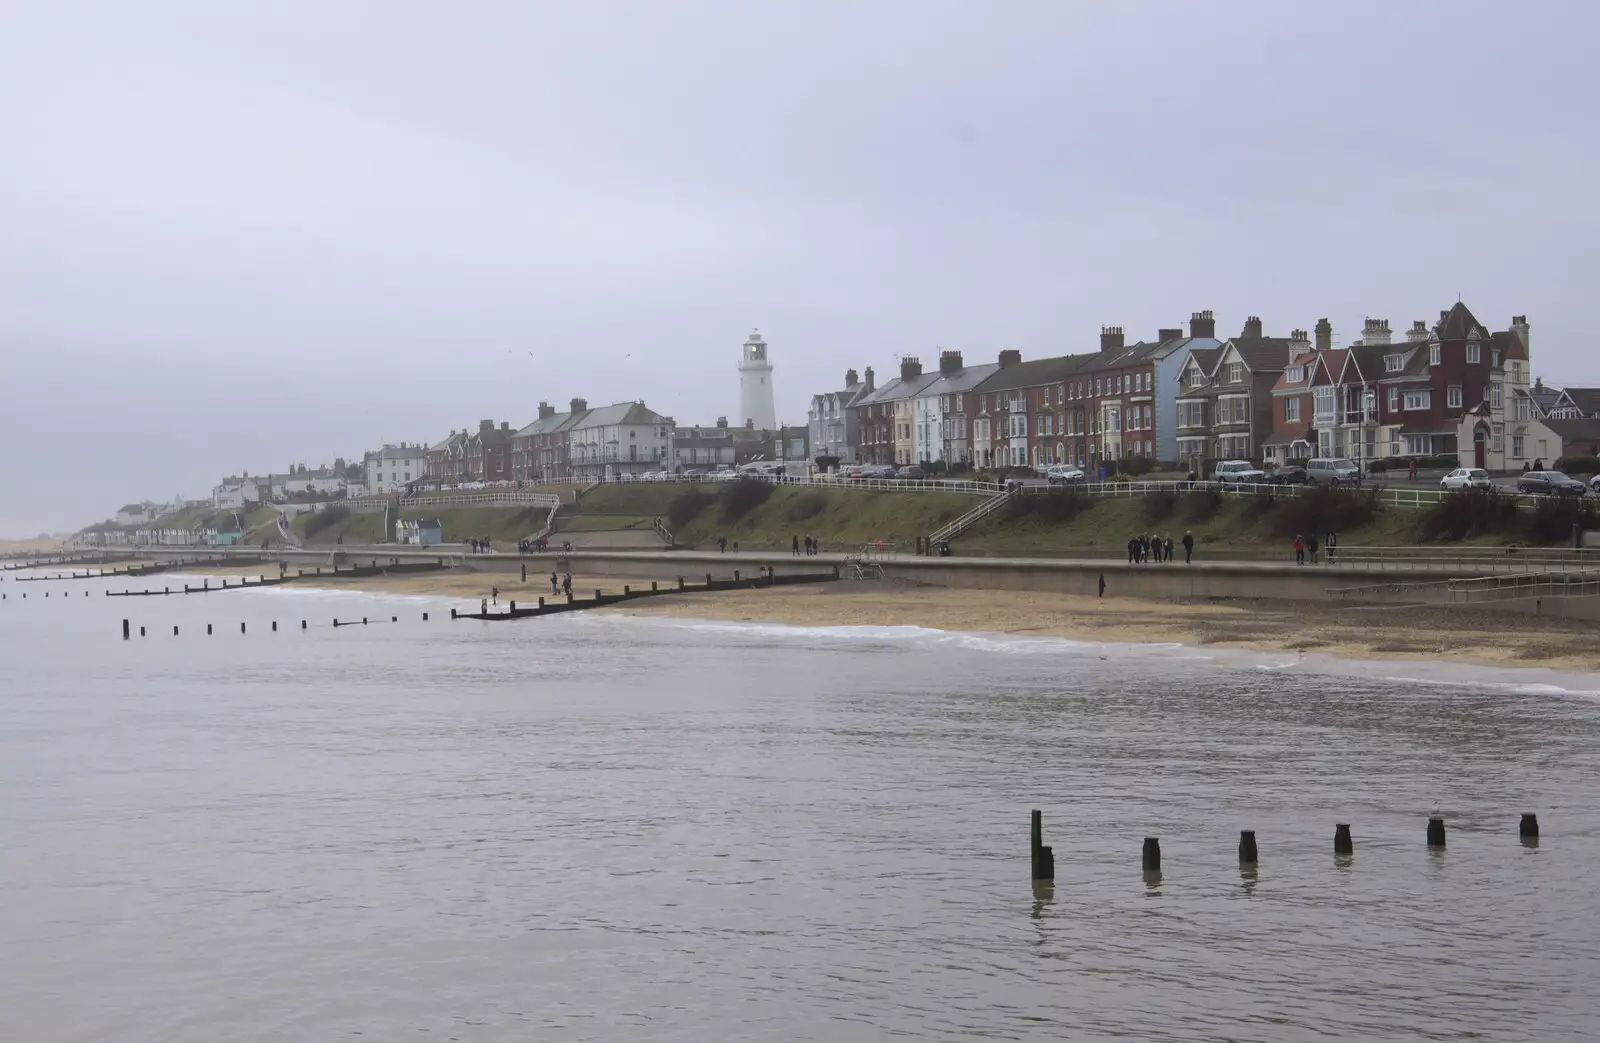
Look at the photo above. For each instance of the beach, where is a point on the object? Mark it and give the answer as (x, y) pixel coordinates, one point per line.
(1344, 630)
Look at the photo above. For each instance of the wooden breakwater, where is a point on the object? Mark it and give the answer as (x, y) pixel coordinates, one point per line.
(245, 582)
(572, 603)
(135, 570)
(66, 559)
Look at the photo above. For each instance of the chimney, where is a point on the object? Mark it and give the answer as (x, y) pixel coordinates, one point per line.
(546, 411)
(580, 405)
(1163, 336)
(850, 378)
(1519, 326)
(868, 384)
(1110, 338)
(1375, 331)
(1419, 332)
(485, 426)
(505, 425)
(1299, 344)
(1010, 357)
(949, 362)
(722, 423)
(1252, 327)
(1324, 334)
(910, 367)
(1202, 324)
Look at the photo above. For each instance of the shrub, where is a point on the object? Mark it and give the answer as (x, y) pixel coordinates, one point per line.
(1136, 465)
(325, 519)
(809, 505)
(1465, 513)
(1056, 507)
(1323, 509)
(1201, 505)
(1159, 506)
(688, 505)
(743, 495)
(1553, 517)
(1579, 464)
(827, 463)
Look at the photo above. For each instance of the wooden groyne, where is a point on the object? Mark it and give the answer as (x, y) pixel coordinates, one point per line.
(353, 572)
(134, 570)
(572, 603)
(66, 559)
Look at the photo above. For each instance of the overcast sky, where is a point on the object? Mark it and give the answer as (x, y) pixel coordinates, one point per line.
(234, 236)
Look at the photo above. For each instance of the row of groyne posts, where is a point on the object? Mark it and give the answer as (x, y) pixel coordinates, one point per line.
(127, 625)
(766, 577)
(1044, 858)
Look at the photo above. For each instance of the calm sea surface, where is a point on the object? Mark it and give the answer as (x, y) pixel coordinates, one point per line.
(594, 828)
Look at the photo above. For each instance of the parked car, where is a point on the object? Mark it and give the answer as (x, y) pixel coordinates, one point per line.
(722, 475)
(1332, 470)
(1466, 478)
(1549, 483)
(1064, 474)
(1238, 472)
(1594, 485)
(911, 474)
(1288, 474)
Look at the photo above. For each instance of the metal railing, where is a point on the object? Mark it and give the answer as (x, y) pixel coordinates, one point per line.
(664, 532)
(960, 525)
(1525, 586)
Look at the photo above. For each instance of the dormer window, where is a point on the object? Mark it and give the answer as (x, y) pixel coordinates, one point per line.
(1474, 352)
(1297, 374)
(1393, 363)
(1433, 354)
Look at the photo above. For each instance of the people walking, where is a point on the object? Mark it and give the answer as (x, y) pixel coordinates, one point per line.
(1413, 470)
(566, 584)
(795, 545)
(483, 607)
(555, 585)
(1133, 550)
(1332, 543)
(1166, 547)
(1299, 550)
(1311, 547)
(494, 595)
(722, 545)
(1188, 547)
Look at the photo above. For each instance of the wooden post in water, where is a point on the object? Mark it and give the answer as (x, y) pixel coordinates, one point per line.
(452, 613)
(1528, 828)
(274, 626)
(1152, 854)
(208, 629)
(1247, 847)
(513, 606)
(1436, 832)
(541, 602)
(241, 628)
(653, 585)
(736, 575)
(524, 572)
(174, 631)
(626, 590)
(302, 624)
(1342, 844)
(141, 631)
(708, 581)
(1043, 858)
(396, 619)
(124, 630)
(424, 617)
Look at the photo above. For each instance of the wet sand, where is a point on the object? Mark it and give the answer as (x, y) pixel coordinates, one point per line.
(1348, 631)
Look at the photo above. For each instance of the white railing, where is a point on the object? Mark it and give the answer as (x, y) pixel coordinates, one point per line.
(946, 485)
(955, 528)
(552, 501)
(1524, 586)
(664, 532)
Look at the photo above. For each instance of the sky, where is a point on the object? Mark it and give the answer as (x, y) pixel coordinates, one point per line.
(237, 236)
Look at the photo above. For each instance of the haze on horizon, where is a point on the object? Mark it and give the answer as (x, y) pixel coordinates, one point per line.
(236, 237)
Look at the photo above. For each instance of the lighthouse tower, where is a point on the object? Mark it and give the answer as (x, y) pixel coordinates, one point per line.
(755, 385)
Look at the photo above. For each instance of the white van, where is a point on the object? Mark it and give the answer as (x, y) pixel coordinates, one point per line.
(1330, 470)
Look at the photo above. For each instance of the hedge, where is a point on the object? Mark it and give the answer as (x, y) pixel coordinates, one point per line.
(1403, 463)
(1579, 464)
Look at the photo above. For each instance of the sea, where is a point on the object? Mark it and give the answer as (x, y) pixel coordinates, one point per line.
(597, 827)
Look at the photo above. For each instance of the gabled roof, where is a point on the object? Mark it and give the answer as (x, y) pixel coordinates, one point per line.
(1035, 373)
(1367, 361)
(545, 425)
(897, 390)
(1205, 358)
(1260, 354)
(1586, 399)
(456, 439)
(1585, 430)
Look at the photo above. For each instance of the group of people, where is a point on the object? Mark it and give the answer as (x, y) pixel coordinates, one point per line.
(811, 545)
(1150, 547)
(562, 586)
(479, 545)
(528, 546)
(722, 545)
(1305, 548)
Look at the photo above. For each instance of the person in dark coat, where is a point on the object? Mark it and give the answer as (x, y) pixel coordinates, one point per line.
(794, 545)
(1133, 550)
(1299, 550)
(1166, 547)
(1311, 547)
(1188, 547)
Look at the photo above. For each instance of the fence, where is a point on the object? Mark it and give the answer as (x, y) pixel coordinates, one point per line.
(1525, 586)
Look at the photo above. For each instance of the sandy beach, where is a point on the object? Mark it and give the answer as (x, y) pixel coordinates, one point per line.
(1422, 632)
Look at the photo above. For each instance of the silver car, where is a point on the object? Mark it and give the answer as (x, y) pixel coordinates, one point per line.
(1466, 478)
(1328, 470)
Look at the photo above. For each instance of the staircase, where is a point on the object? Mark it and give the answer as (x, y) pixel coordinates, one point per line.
(553, 502)
(955, 528)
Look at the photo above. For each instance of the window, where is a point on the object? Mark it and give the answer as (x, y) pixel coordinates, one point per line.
(1516, 372)
(1474, 351)
(1291, 410)
(1296, 375)
(1419, 399)
(1495, 398)
(1394, 400)
(1393, 363)
(1499, 438)
(1326, 401)
(1453, 397)
(1433, 354)
(959, 409)
(1517, 448)
(1097, 386)
(1235, 372)
(1494, 357)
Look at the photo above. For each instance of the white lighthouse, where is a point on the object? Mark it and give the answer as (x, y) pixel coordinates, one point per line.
(755, 385)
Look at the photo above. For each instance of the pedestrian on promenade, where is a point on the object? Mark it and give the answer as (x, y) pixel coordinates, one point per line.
(483, 607)
(1188, 547)
(1332, 543)
(566, 584)
(795, 544)
(1102, 584)
(1299, 550)
(736, 546)
(555, 587)
(1133, 550)
(494, 595)
(1413, 470)
(1166, 547)
(1144, 548)
(1311, 547)
(722, 545)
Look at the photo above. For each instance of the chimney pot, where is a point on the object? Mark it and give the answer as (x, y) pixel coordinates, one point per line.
(950, 362)
(1009, 357)
(868, 384)
(1203, 324)
(1252, 327)
(1324, 335)
(580, 405)
(850, 378)
(1111, 338)
(910, 367)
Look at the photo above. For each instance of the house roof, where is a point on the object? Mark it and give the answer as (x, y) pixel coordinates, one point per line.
(962, 379)
(1586, 399)
(896, 390)
(1206, 357)
(620, 413)
(1458, 323)
(1261, 354)
(131, 508)
(1585, 430)
(1035, 373)
(455, 439)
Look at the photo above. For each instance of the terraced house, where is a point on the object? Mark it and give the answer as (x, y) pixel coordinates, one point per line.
(941, 417)
(884, 417)
(1224, 408)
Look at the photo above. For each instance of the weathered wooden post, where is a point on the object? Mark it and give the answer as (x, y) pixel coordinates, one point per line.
(680, 582)
(452, 613)
(208, 629)
(1152, 854)
(124, 630)
(708, 581)
(141, 631)
(174, 631)
(541, 603)
(1247, 847)
(1043, 858)
(513, 606)
(653, 585)
(302, 624)
(396, 619)
(1436, 832)
(274, 626)
(424, 617)
(524, 573)
(241, 628)
(736, 575)
(626, 590)
(1528, 828)
(1342, 844)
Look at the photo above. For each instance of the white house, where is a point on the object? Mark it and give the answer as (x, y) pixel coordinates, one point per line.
(136, 513)
(236, 492)
(393, 467)
(626, 438)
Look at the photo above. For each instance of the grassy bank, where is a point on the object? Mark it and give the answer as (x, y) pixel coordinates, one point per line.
(503, 525)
